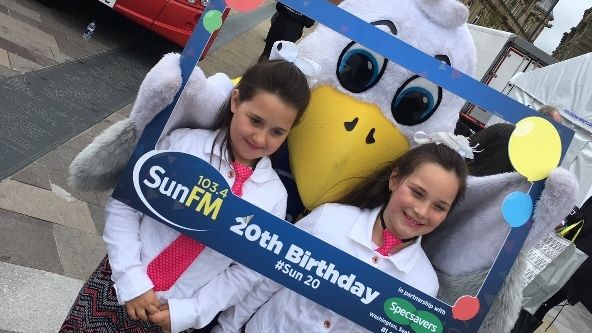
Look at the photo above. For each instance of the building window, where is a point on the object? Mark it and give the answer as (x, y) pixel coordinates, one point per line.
(479, 13)
(530, 25)
(470, 3)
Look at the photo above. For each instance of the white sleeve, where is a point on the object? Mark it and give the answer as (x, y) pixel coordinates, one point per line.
(226, 289)
(121, 235)
(233, 319)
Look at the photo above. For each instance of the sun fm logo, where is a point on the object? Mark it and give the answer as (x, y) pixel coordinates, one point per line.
(161, 176)
(404, 313)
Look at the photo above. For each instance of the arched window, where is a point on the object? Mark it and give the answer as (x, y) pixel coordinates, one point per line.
(470, 4)
(516, 8)
(530, 25)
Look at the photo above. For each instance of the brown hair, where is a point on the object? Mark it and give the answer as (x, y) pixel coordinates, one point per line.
(550, 112)
(374, 191)
(548, 109)
(491, 156)
(278, 77)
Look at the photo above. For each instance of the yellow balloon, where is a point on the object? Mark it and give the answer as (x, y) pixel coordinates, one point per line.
(534, 148)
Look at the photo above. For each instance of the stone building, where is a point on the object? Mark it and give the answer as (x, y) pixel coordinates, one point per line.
(577, 41)
(526, 18)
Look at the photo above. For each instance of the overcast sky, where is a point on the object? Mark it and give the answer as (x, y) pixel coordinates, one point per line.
(568, 14)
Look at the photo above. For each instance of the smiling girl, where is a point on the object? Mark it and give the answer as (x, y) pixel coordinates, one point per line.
(381, 222)
(155, 279)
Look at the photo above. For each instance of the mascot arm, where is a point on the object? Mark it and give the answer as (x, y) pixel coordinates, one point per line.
(475, 230)
(198, 104)
(202, 98)
(465, 277)
(555, 203)
(156, 91)
(98, 166)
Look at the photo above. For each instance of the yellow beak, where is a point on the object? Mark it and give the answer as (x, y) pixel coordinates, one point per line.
(338, 142)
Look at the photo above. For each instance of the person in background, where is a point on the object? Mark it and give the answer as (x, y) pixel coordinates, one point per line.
(491, 150)
(286, 24)
(577, 288)
(491, 146)
(551, 112)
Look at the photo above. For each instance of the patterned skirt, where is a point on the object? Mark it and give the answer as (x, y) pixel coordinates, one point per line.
(96, 309)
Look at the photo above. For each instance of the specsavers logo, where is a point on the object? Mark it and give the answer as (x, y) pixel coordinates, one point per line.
(404, 313)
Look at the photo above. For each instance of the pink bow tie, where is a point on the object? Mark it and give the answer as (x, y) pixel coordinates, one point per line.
(389, 240)
(242, 173)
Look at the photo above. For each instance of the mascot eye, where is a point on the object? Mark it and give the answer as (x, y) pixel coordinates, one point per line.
(358, 68)
(416, 101)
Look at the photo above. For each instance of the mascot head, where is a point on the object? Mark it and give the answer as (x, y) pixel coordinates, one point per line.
(364, 107)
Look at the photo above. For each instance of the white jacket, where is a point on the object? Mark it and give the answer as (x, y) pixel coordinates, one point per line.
(349, 229)
(211, 283)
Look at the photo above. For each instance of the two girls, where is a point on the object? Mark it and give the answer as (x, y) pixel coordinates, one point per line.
(381, 222)
(157, 279)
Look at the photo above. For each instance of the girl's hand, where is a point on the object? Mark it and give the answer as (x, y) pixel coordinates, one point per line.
(162, 318)
(140, 307)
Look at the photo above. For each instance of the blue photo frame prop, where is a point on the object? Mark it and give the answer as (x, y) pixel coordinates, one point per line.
(230, 225)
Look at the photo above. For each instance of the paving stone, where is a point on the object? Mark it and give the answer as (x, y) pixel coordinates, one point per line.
(34, 300)
(98, 128)
(126, 111)
(29, 242)
(17, 7)
(7, 72)
(79, 142)
(21, 64)
(237, 25)
(98, 215)
(103, 197)
(60, 57)
(248, 47)
(27, 36)
(59, 159)
(60, 30)
(72, 48)
(121, 114)
(36, 7)
(60, 178)
(4, 58)
(36, 175)
(80, 253)
(45, 205)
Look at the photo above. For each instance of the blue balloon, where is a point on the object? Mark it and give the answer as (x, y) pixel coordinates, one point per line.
(517, 209)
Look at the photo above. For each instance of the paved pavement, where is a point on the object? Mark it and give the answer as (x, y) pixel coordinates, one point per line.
(50, 233)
